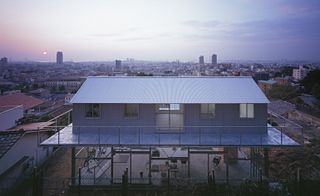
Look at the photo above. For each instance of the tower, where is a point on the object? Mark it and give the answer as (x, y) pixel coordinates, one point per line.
(201, 60)
(214, 59)
(59, 58)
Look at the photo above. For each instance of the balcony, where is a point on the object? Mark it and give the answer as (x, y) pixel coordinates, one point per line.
(181, 136)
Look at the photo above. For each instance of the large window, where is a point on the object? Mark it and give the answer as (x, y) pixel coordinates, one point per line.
(131, 110)
(93, 110)
(246, 110)
(208, 110)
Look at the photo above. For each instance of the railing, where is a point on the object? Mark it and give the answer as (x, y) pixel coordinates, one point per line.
(187, 135)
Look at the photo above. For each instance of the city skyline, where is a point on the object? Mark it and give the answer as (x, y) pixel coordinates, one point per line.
(160, 30)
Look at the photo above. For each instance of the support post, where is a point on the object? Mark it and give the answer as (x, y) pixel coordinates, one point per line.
(266, 162)
(79, 181)
(111, 174)
(208, 163)
(149, 173)
(73, 165)
(189, 174)
(130, 166)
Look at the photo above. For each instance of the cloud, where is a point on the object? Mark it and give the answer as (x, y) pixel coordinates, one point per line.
(278, 30)
(201, 24)
(105, 35)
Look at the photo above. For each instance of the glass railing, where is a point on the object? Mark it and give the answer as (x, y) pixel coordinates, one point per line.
(179, 136)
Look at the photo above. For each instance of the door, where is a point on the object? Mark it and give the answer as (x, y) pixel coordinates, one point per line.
(169, 116)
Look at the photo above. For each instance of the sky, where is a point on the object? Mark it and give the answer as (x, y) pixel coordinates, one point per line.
(160, 30)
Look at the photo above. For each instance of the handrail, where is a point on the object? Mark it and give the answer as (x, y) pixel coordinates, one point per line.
(143, 126)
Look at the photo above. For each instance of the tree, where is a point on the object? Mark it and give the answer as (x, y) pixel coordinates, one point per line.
(62, 88)
(53, 89)
(284, 92)
(316, 91)
(310, 80)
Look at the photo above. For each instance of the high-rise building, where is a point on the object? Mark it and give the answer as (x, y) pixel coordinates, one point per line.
(214, 59)
(118, 65)
(59, 58)
(4, 61)
(300, 73)
(201, 60)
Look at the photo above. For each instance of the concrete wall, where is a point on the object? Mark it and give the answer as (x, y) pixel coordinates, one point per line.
(9, 117)
(226, 115)
(26, 146)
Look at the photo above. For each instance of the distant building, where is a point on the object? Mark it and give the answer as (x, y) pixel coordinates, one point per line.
(70, 84)
(214, 59)
(59, 58)
(118, 65)
(201, 60)
(299, 73)
(4, 61)
(282, 80)
(40, 92)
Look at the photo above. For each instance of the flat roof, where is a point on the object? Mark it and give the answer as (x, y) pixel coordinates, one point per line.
(169, 90)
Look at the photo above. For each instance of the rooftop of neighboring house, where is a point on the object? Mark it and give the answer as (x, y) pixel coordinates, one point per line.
(33, 126)
(270, 82)
(8, 139)
(281, 107)
(20, 99)
(183, 90)
(8, 107)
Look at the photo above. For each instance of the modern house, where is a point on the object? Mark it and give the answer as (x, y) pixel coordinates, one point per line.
(225, 111)
(144, 114)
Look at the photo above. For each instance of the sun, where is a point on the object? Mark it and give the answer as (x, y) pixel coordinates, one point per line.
(44, 52)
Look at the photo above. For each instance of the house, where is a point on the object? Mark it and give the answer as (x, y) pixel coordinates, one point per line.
(266, 85)
(164, 119)
(20, 152)
(40, 93)
(205, 111)
(9, 115)
(29, 103)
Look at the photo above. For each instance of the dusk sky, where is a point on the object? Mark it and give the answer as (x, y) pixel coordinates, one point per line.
(160, 29)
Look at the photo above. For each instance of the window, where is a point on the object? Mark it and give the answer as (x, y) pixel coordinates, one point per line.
(169, 107)
(246, 110)
(208, 110)
(93, 110)
(131, 110)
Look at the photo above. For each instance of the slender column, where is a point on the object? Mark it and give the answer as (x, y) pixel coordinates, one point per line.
(266, 161)
(149, 173)
(189, 174)
(73, 165)
(130, 166)
(111, 174)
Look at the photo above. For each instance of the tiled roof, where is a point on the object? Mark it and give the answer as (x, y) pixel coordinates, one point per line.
(20, 99)
(281, 107)
(8, 139)
(169, 90)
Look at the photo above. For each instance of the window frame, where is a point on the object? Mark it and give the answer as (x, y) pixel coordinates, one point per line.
(208, 115)
(92, 111)
(125, 111)
(247, 115)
